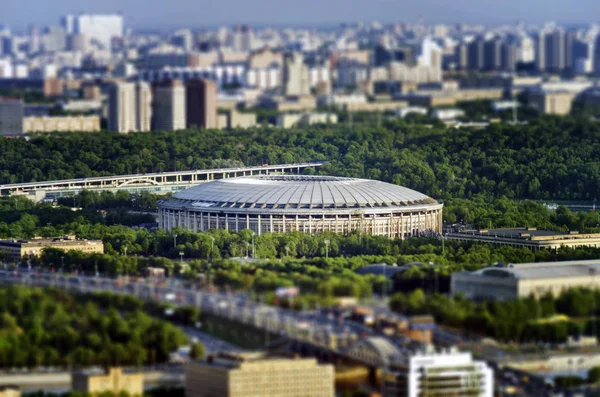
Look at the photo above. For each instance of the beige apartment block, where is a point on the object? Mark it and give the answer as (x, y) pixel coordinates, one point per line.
(257, 375)
(556, 102)
(17, 249)
(114, 381)
(61, 123)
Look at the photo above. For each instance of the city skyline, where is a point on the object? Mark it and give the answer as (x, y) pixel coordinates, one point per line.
(185, 13)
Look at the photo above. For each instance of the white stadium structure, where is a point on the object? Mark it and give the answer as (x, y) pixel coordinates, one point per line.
(310, 204)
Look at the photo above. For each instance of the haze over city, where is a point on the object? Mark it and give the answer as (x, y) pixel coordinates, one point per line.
(158, 14)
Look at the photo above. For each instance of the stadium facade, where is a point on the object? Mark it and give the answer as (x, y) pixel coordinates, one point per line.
(310, 204)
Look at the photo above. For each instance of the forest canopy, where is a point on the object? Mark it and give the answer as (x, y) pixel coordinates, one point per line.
(549, 158)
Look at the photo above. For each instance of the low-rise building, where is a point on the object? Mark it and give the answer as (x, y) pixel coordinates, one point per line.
(428, 100)
(61, 123)
(10, 391)
(551, 102)
(255, 374)
(17, 249)
(500, 106)
(289, 120)
(527, 238)
(231, 118)
(287, 103)
(115, 381)
(448, 113)
(375, 106)
(82, 105)
(446, 373)
(11, 116)
(521, 280)
(405, 111)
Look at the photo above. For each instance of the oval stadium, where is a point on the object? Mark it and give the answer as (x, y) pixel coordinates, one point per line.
(310, 204)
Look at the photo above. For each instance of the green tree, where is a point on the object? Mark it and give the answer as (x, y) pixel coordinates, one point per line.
(197, 351)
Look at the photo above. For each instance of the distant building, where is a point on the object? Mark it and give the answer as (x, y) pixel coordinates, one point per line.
(255, 374)
(99, 29)
(169, 106)
(17, 249)
(551, 102)
(500, 106)
(11, 116)
(449, 373)
(91, 91)
(231, 118)
(77, 42)
(201, 104)
(531, 238)
(10, 391)
(61, 123)
(121, 108)
(295, 77)
(143, 106)
(115, 381)
(521, 280)
(292, 119)
(448, 114)
(405, 111)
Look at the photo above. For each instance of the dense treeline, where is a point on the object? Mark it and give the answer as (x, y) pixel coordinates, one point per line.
(551, 157)
(53, 328)
(525, 320)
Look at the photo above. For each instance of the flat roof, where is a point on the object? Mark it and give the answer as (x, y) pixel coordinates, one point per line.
(517, 232)
(544, 270)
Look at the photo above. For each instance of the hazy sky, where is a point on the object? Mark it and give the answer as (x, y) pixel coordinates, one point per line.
(198, 13)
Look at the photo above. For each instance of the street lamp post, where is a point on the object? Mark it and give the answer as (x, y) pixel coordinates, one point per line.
(593, 274)
(287, 251)
(247, 248)
(175, 240)
(326, 248)
(212, 247)
(181, 257)
(385, 281)
(253, 249)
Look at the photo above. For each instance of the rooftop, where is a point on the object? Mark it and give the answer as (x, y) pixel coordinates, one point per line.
(300, 191)
(544, 270)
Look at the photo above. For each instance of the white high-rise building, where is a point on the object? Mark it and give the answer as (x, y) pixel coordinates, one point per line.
(98, 29)
(129, 107)
(169, 109)
(143, 104)
(449, 373)
(121, 108)
(295, 78)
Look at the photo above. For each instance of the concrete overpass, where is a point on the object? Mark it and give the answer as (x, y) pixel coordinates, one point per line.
(154, 182)
(316, 332)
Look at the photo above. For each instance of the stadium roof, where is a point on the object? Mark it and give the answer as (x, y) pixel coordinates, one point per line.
(299, 191)
(542, 270)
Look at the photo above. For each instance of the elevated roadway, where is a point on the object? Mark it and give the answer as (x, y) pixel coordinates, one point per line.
(154, 182)
(321, 332)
